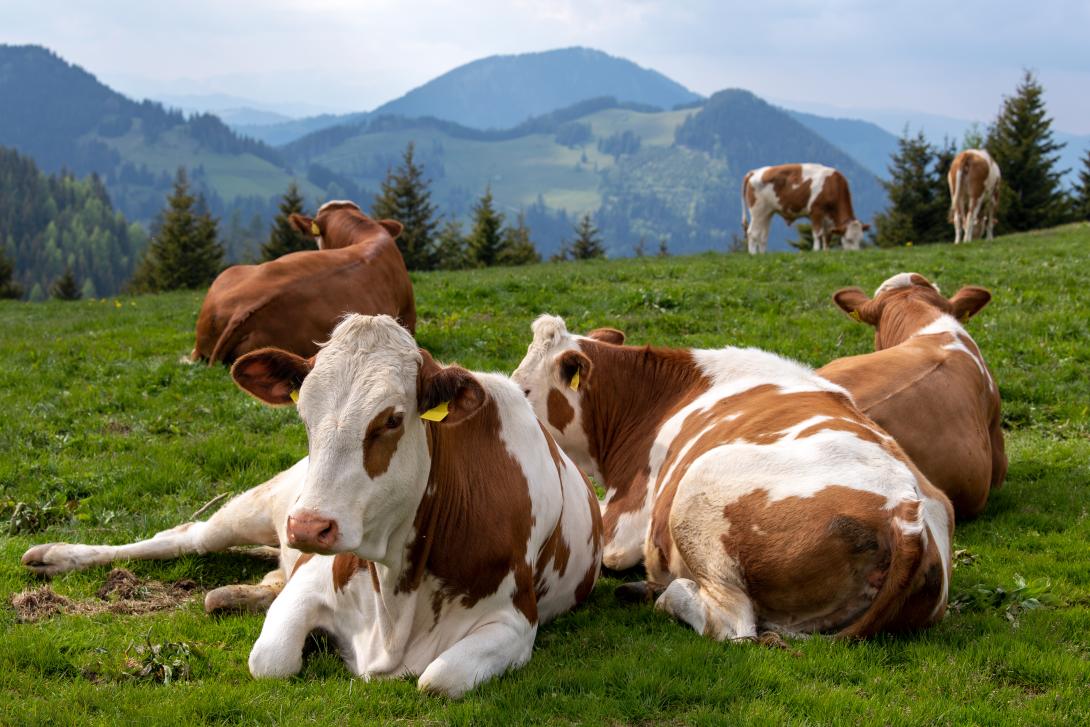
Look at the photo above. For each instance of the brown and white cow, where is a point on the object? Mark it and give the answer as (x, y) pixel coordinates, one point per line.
(927, 384)
(800, 190)
(294, 301)
(440, 522)
(756, 493)
(974, 194)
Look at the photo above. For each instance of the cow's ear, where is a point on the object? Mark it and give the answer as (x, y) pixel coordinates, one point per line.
(447, 394)
(968, 301)
(607, 335)
(866, 226)
(853, 301)
(393, 227)
(304, 224)
(272, 375)
(573, 369)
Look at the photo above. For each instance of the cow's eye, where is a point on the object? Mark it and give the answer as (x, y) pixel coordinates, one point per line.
(394, 421)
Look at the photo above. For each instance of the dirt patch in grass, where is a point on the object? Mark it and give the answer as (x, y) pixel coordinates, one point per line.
(122, 593)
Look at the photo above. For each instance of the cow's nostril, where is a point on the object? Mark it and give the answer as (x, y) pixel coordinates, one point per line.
(526, 392)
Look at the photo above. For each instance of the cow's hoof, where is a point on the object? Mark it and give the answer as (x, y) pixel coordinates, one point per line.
(42, 560)
(637, 592)
(250, 599)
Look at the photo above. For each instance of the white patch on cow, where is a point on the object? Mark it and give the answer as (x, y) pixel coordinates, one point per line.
(901, 280)
(320, 242)
(935, 516)
(947, 324)
(817, 174)
(332, 202)
(625, 548)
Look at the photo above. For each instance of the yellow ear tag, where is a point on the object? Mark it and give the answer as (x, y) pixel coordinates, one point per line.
(437, 413)
(855, 315)
(314, 229)
(575, 382)
(295, 396)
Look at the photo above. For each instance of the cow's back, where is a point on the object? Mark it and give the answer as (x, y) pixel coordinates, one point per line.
(935, 403)
(294, 302)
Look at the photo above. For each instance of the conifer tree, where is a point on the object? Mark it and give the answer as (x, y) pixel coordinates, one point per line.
(917, 193)
(8, 287)
(405, 197)
(284, 238)
(65, 287)
(1081, 194)
(664, 249)
(587, 244)
(1020, 141)
(485, 241)
(450, 248)
(640, 248)
(185, 251)
(518, 248)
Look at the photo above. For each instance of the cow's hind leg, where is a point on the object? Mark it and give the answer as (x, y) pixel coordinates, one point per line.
(243, 597)
(249, 519)
(717, 611)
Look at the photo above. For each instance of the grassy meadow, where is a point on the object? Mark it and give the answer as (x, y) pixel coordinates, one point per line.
(108, 438)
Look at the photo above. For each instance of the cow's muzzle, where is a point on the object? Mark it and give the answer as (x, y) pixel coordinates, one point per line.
(311, 532)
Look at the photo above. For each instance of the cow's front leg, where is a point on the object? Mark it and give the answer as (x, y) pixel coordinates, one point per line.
(306, 603)
(487, 651)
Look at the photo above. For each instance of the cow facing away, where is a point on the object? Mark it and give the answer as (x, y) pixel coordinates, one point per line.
(800, 190)
(974, 194)
(927, 384)
(756, 493)
(294, 301)
(433, 527)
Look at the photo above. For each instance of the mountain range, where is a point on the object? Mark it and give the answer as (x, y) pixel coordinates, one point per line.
(554, 135)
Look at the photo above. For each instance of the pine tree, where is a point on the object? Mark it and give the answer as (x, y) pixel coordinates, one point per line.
(485, 242)
(185, 251)
(1020, 142)
(1081, 194)
(284, 238)
(640, 249)
(587, 244)
(917, 193)
(8, 287)
(664, 250)
(450, 248)
(405, 197)
(518, 248)
(65, 287)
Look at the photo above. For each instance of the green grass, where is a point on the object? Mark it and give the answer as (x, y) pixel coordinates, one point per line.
(100, 415)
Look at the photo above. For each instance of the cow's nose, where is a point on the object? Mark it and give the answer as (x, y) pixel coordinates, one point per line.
(311, 531)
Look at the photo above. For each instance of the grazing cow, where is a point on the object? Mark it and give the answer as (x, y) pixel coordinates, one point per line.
(294, 301)
(800, 190)
(755, 491)
(974, 194)
(927, 384)
(439, 522)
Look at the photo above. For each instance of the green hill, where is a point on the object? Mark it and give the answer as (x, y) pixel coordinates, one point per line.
(116, 440)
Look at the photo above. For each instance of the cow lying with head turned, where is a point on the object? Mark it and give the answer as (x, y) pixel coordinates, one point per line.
(754, 491)
(433, 526)
(800, 190)
(294, 301)
(927, 384)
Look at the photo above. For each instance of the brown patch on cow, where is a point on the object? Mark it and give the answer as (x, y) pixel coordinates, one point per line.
(635, 389)
(297, 299)
(792, 190)
(380, 441)
(473, 523)
(560, 412)
(122, 593)
(345, 565)
(300, 562)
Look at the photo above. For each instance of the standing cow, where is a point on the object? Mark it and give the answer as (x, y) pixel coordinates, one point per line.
(800, 190)
(294, 301)
(433, 527)
(974, 194)
(755, 492)
(927, 384)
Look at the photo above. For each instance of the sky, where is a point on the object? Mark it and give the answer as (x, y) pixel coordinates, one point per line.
(953, 59)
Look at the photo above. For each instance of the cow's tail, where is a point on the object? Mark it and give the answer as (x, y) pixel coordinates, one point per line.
(745, 207)
(907, 547)
(955, 197)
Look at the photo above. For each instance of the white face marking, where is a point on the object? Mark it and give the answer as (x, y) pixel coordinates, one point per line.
(369, 365)
(332, 202)
(900, 280)
(853, 236)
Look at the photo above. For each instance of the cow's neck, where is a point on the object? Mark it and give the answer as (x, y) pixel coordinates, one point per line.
(903, 320)
(633, 390)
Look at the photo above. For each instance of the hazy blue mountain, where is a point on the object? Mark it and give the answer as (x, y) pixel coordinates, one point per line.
(285, 132)
(866, 142)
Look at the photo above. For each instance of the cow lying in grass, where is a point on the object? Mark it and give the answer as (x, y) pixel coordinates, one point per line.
(433, 526)
(295, 300)
(755, 492)
(927, 384)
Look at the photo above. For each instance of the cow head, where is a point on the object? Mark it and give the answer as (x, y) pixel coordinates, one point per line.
(338, 223)
(853, 235)
(906, 303)
(362, 399)
(554, 375)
